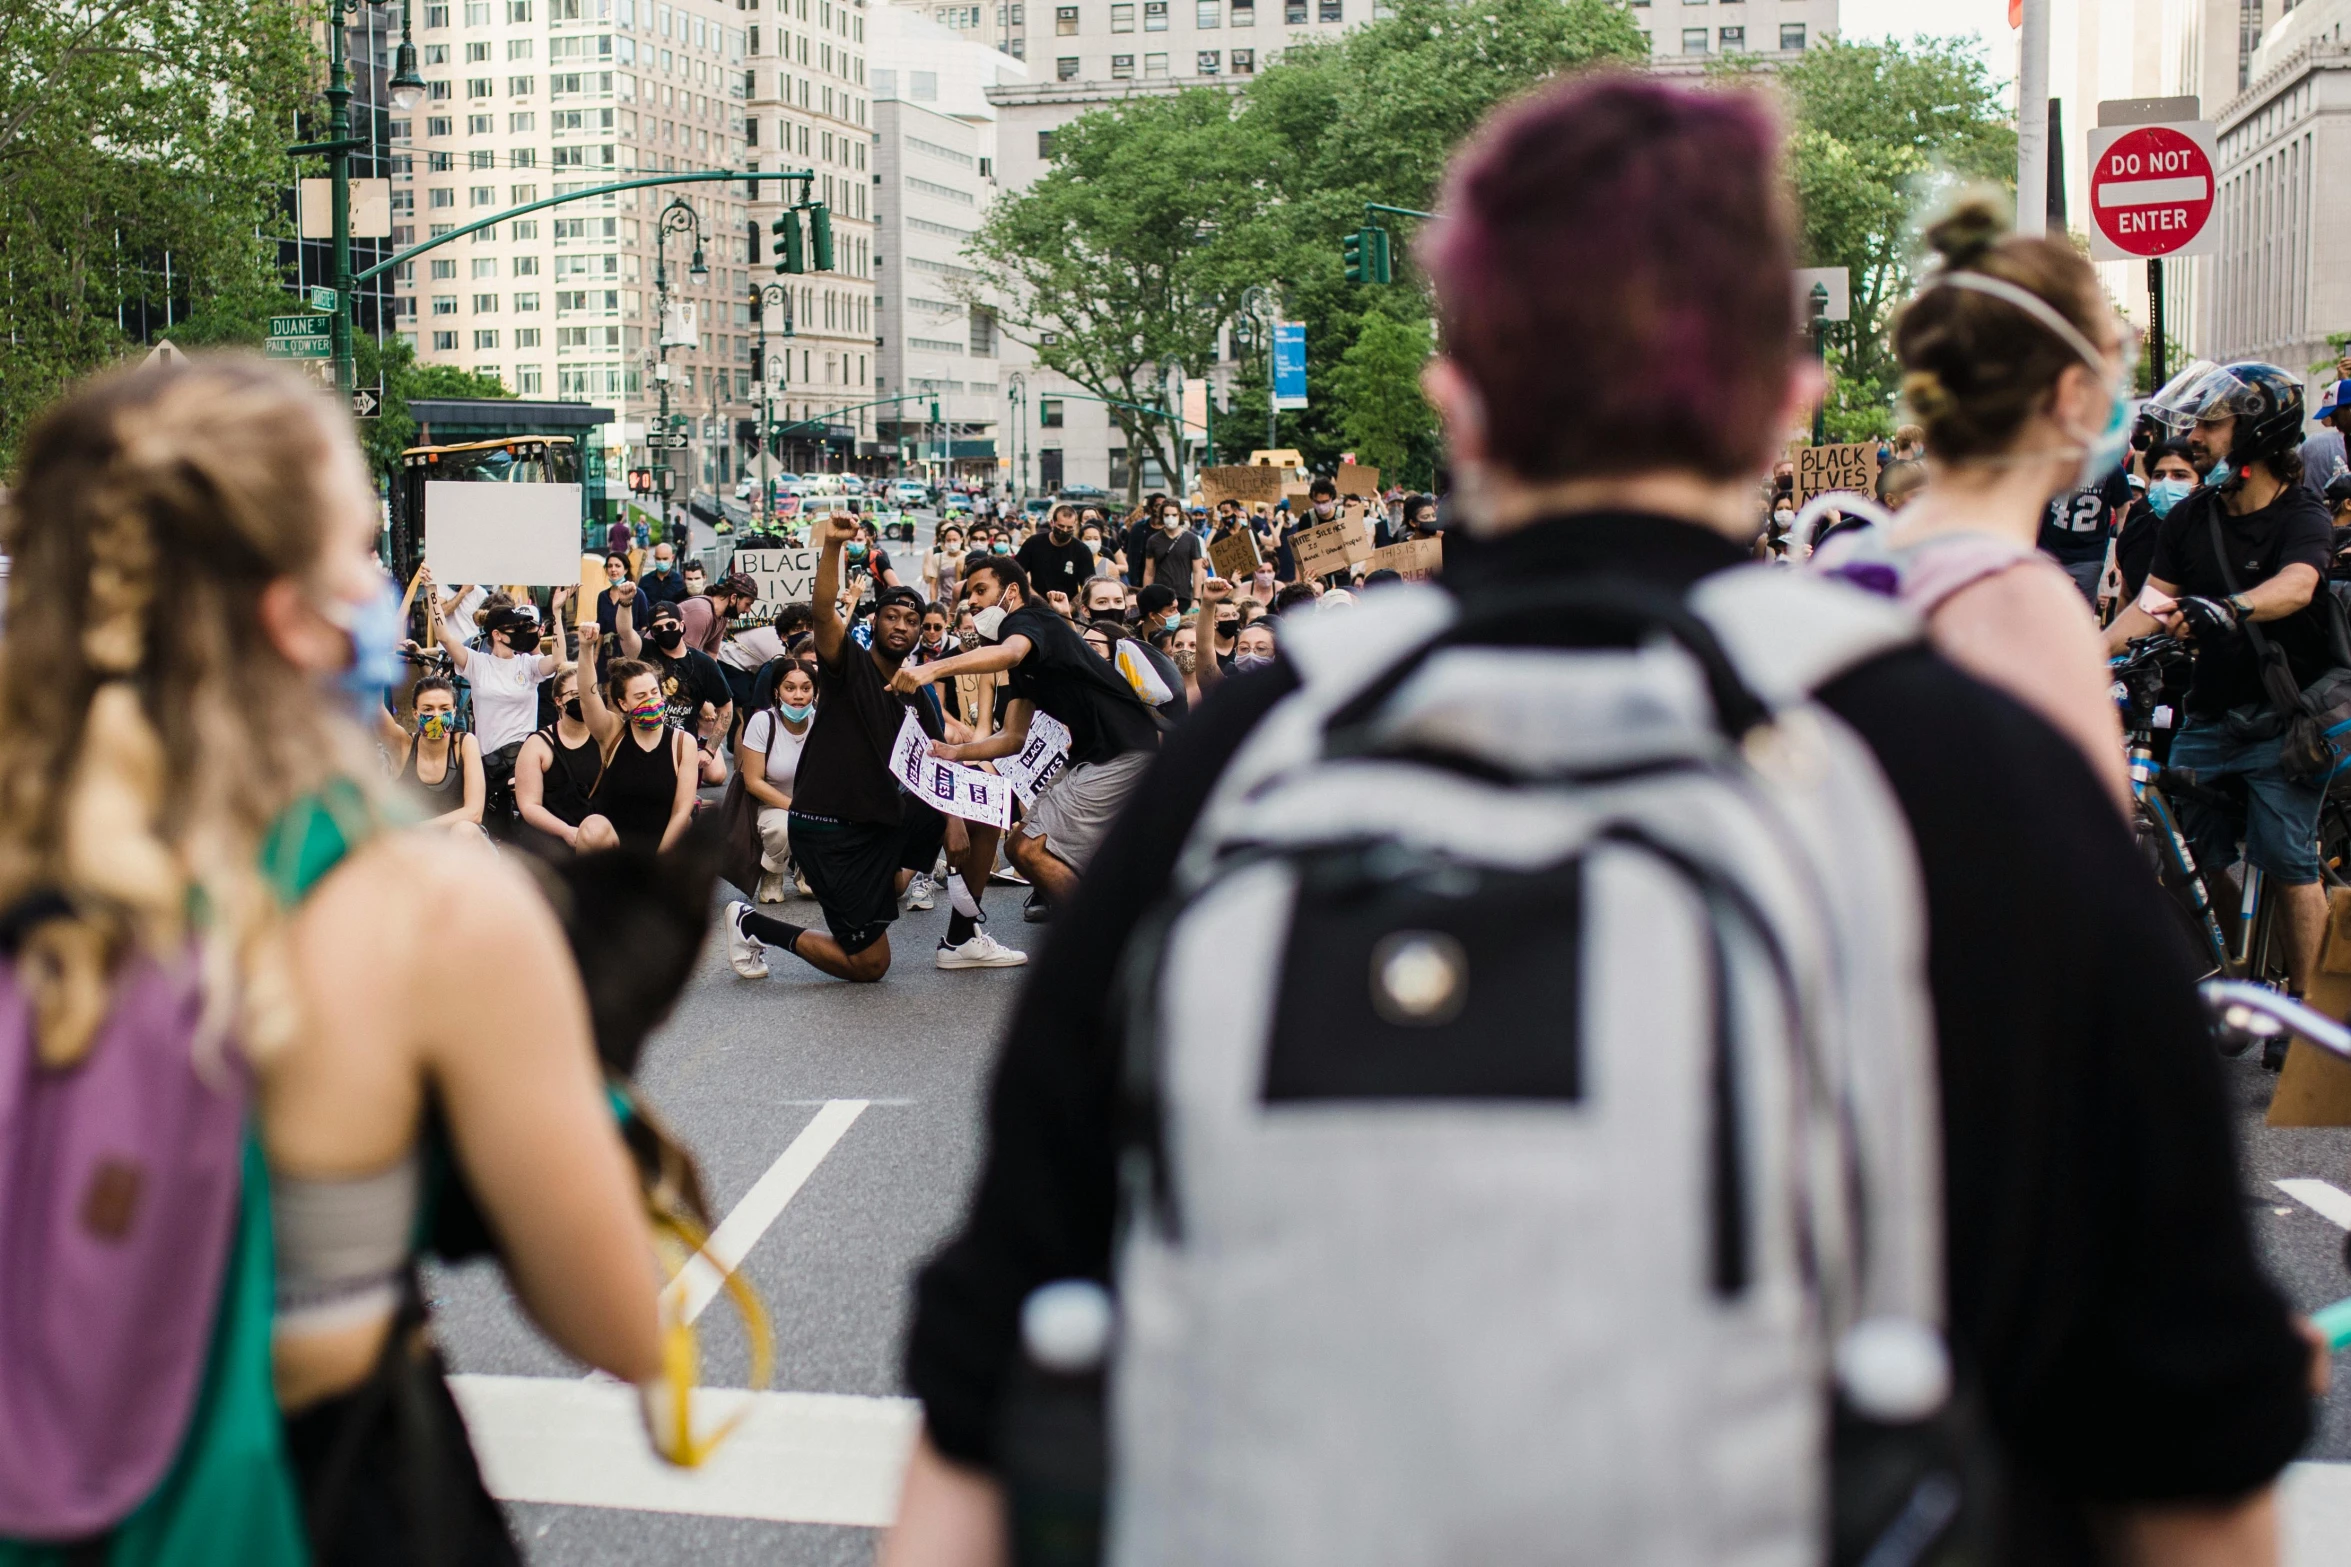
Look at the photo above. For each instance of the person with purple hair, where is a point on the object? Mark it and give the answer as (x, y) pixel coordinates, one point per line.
(1611, 268)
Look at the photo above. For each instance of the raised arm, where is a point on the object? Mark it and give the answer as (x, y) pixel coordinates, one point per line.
(624, 619)
(602, 721)
(979, 661)
(830, 630)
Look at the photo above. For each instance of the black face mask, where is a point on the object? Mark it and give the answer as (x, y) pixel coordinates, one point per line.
(523, 639)
(667, 638)
(571, 710)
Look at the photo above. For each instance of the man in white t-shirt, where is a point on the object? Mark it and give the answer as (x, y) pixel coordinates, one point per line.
(504, 673)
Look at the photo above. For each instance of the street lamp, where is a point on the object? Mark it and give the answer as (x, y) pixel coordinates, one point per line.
(1258, 305)
(1016, 398)
(679, 217)
(1818, 299)
(764, 295)
(407, 86)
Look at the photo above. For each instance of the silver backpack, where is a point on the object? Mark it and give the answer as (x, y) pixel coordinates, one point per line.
(1531, 1096)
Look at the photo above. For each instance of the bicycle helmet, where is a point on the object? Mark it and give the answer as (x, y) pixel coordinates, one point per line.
(2265, 400)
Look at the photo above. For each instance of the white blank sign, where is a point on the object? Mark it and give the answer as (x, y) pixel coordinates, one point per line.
(494, 533)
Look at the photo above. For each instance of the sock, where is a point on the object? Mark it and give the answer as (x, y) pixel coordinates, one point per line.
(960, 926)
(771, 930)
(959, 898)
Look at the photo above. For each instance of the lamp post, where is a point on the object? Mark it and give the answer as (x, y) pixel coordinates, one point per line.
(1819, 301)
(764, 295)
(678, 217)
(407, 91)
(1257, 303)
(1016, 398)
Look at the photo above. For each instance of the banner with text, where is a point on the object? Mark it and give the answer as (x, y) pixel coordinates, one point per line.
(1039, 759)
(948, 786)
(785, 576)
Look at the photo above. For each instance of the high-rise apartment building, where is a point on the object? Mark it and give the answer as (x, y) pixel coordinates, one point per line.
(534, 98)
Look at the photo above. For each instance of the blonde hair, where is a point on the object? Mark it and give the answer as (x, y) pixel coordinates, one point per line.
(150, 732)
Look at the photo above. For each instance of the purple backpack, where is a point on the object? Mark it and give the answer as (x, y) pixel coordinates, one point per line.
(119, 1186)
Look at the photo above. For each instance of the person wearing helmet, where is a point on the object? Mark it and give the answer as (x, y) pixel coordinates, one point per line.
(2242, 424)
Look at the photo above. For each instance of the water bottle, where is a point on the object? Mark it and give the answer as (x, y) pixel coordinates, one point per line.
(1052, 1443)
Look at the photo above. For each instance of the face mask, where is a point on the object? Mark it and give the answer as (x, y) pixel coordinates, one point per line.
(2164, 494)
(1325, 508)
(523, 639)
(571, 710)
(433, 726)
(990, 622)
(668, 637)
(797, 715)
(857, 552)
(661, 568)
(1251, 661)
(1185, 658)
(374, 629)
(1172, 524)
(2220, 474)
(648, 714)
(1001, 547)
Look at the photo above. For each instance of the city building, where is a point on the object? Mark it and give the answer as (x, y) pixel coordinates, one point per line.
(935, 151)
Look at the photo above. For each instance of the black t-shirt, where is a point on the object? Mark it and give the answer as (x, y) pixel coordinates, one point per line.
(1056, 568)
(689, 678)
(2077, 523)
(1138, 536)
(2292, 529)
(2134, 547)
(1171, 556)
(2104, 1297)
(845, 763)
(1075, 684)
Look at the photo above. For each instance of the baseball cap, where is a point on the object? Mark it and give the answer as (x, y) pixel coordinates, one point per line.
(2338, 397)
(665, 610)
(898, 595)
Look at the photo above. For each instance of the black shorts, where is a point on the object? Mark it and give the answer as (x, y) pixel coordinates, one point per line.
(924, 832)
(852, 868)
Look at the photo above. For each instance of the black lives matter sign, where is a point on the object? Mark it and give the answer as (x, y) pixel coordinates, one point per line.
(1820, 469)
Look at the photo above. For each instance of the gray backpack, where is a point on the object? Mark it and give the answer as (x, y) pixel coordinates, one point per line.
(1533, 1129)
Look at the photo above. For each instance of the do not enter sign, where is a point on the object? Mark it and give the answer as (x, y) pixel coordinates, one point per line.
(2151, 191)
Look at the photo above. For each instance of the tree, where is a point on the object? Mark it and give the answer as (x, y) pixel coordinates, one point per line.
(141, 158)
(393, 366)
(1382, 414)
(1878, 127)
(1130, 253)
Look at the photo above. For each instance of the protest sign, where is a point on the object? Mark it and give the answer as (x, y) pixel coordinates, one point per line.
(1413, 559)
(1247, 485)
(1330, 548)
(1039, 759)
(483, 532)
(1355, 479)
(1820, 469)
(785, 576)
(1235, 555)
(948, 786)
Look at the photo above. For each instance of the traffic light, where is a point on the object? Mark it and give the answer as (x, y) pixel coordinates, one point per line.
(820, 236)
(791, 251)
(1366, 253)
(758, 304)
(640, 480)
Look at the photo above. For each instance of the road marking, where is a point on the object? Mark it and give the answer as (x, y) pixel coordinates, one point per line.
(2316, 1502)
(2327, 1200)
(829, 1458)
(740, 1230)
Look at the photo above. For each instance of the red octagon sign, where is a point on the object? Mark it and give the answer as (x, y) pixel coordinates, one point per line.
(2151, 189)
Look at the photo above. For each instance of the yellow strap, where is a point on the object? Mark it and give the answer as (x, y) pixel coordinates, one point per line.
(681, 1239)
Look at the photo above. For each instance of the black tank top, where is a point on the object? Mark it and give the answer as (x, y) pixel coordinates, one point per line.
(570, 778)
(436, 799)
(638, 788)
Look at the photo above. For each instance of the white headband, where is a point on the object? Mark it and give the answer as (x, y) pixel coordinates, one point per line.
(2030, 303)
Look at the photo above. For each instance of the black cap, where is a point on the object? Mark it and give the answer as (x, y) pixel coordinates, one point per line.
(665, 610)
(898, 595)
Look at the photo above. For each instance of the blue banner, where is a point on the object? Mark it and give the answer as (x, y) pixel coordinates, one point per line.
(1289, 364)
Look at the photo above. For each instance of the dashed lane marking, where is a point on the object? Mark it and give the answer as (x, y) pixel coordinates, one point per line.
(698, 1282)
(2321, 1197)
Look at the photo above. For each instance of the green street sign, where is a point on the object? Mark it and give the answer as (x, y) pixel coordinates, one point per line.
(296, 326)
(317, 347)
(322, 298)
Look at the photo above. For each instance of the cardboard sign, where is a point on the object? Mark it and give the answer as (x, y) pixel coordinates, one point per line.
(490, 532)
(1331, 548)
(1820, 469)
(947, 786)
(591, 583)
(1354, 479)
(1040, 758)
(785, 576)
(1298, 495)
(1412, 560)
(1246, 485)
(1235, 555)
(2315, 1087)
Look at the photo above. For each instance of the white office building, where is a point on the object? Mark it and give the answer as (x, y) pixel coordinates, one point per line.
(934, 147)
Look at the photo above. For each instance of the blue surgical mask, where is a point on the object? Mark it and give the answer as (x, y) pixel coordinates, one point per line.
(2219, 474)
(797, 715)
(2104, 454)
(2164, 494)
(374, 629)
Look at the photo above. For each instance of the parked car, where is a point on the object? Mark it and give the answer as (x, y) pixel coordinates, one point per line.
(955, 501)
(1037, 506)
(910, 492)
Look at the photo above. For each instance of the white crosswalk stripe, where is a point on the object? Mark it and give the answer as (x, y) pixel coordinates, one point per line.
(2321, 1197)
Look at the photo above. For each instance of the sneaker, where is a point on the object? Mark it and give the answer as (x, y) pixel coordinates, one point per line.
(771, 887)
(1037, 909)
(981, 951)
(743, 949)
(918, 892)
(801, 883)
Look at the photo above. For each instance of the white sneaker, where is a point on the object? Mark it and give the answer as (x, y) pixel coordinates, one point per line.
(918, 892)
(981, 951)
(743, 949)
(771, 887)
(800, 883)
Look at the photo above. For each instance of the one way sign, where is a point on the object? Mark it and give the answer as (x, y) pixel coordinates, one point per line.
(365, 404)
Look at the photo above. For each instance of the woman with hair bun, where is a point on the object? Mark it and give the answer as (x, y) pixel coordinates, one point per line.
(2019, 374)
(214, 1055)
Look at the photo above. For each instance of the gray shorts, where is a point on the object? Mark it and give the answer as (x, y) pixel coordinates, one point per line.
(1074, 810)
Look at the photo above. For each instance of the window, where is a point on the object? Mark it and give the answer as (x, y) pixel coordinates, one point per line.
(485, 304)
(1792, 36)
(1693, 40)
(1155, 16)
(477, 54)
(443, 267)
(438, 92)
(487, 338)
(445, 342)
(517, 12)
(1045, 145)
(526, 266)
(1065, 20)
(526, 228)
(477, 13)
(1731, 39)
(1244, 13)
(485, 266)
(439, 162)
(523, 158)
(529, 379)
(521, 86)
(445, 305)
(1122, 18)
(482, 196)
(1049, 413)
(1244, 62)
(1155, 65)
(1208, 13)
(522, 124)
(1329, 11)
(1294, 12)
(526, 303)
(440, 125)
(923, 84)
(1066, 68)
(441, 196)
(436, 16)
(436, 54)
(1122, 67)
(400, 131)
(481, 87)
(480, 157)
(526, 337)
(1208, 63)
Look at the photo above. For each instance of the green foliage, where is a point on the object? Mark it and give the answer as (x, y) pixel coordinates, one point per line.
(1376, 386)
(393, 366)
(129, 128)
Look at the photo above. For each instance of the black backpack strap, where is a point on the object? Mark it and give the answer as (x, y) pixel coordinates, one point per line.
(2277, 676)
